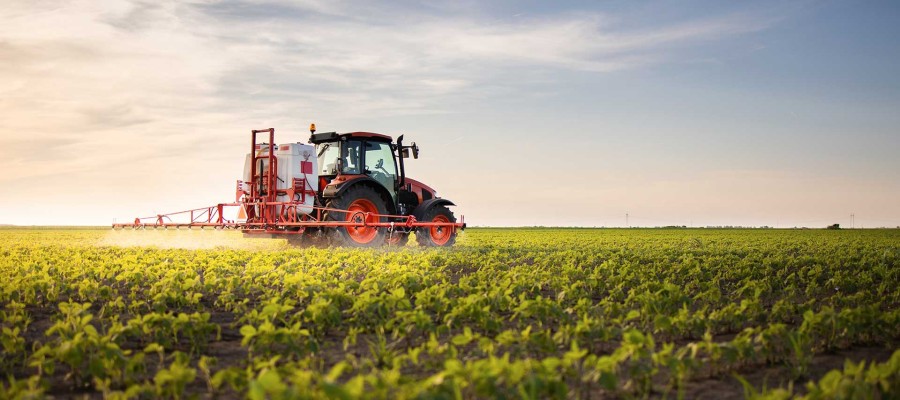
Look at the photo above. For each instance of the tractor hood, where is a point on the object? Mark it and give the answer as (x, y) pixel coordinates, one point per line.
(422, 191)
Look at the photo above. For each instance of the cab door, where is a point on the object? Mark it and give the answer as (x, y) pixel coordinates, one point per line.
(380, 166)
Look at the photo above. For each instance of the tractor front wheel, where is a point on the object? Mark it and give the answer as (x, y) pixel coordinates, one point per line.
(437, 236)
(360, 203)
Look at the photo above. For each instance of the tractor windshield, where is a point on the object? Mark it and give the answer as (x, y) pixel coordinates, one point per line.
(345, 154)
(328, 157)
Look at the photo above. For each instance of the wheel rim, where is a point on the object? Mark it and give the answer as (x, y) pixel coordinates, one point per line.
(356, 213)
(440, 235)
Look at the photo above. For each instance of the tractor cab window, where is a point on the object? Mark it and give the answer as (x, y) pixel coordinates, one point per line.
(380, 164)
(350, 157)
(344, 155)
(328, 154)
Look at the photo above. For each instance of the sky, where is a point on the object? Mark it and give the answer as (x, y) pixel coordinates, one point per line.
(695, 113)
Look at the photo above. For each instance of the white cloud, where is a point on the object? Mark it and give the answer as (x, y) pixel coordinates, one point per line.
(155, 58)
(107, 88)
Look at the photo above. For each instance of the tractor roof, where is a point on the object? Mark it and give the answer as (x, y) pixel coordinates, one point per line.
(334, 136)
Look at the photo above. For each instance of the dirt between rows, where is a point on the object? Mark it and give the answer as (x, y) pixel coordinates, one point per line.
(774, 376)
(228, 352)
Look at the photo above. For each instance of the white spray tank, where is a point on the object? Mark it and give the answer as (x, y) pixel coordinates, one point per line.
(297, 175)
(297, 167)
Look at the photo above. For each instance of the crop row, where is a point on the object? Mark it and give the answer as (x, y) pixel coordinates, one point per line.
(535, 314)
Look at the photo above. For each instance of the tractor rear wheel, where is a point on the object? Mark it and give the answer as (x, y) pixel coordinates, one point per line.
(437, 236)
(359, 201)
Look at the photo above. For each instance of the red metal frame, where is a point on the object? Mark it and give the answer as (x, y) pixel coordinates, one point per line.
(213, 217)
(265, 214)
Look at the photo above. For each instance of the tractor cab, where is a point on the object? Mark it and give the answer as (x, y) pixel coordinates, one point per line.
(357, 154)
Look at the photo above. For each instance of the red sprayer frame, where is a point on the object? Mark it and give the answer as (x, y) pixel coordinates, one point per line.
(265, 215)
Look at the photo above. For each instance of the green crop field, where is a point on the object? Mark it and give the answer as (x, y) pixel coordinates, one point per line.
(506, 313)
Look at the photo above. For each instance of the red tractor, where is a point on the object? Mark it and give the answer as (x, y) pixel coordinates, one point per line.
(347, 188)
(364, 173)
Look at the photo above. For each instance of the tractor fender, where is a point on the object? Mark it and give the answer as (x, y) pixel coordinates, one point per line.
(422, 210)
(332, 191)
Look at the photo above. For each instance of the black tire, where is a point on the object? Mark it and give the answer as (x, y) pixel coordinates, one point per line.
(425, 236)
(350, 236)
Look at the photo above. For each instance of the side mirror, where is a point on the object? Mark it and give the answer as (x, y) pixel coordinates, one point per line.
(405, 152)
(415, 149)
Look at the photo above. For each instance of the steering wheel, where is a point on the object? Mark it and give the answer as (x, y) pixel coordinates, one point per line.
(383, 173)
